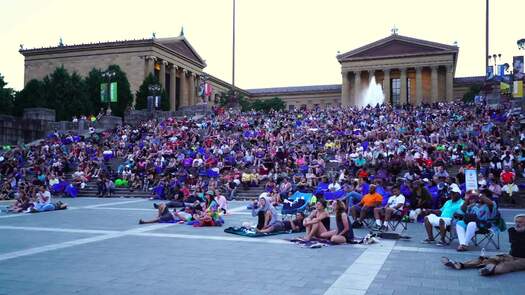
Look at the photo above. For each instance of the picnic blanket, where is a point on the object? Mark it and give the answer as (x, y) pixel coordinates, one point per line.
(242, 231)
(313, 243)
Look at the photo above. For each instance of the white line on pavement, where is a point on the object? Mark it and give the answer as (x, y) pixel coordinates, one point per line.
(144, 232)
(114, 203)
(358, 276)
(97, 206)
(215, 238)
(237, 209)
(55, 229)
(78, 242)
(442, 250)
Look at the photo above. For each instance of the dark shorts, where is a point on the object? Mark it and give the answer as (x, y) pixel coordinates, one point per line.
(166, 216)
(395, 212)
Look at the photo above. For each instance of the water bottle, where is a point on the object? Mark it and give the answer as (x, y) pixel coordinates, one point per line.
(482, 252)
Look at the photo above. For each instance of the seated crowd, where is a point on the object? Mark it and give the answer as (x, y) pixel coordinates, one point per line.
(381, 163)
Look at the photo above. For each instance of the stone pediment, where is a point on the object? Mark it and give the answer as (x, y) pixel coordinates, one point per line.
(181, 46)
(396, 46)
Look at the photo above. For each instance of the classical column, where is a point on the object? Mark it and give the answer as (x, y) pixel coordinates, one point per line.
(345, 90)
(183, 88)
(434, 83)
(173, 88)
(162, 74)
(403, 86)
(357, 88)
(450, 83)
(386, 85)
(371, 74)
(149, 65)
(419, 85)
(192, 99)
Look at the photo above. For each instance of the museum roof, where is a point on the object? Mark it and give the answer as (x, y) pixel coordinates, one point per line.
(397, 46)
(295, 90)
(179, 46)
(468, 81)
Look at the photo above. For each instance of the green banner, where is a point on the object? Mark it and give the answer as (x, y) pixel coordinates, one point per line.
(113, 91)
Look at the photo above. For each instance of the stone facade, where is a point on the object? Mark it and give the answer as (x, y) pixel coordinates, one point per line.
(422, 71)
(409, 71)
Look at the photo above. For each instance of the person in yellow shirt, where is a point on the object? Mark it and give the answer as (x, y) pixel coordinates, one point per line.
(366, 205)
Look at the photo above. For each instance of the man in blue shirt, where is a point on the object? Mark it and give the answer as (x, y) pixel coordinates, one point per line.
(446, 213)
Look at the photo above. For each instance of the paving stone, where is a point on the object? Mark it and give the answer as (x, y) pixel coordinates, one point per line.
(167, 265)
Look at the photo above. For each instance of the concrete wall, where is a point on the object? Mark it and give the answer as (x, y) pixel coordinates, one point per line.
(308, 100)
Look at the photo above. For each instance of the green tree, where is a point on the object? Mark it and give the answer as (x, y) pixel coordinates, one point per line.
(93, 81)
(124, 95)
(471, 93)
(141, 102)
(244, 103)
(32, 96)
(6, 98)
(66, 94)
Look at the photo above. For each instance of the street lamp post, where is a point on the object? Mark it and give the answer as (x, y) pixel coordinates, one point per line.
(153, 89)
(204, 78)
(109, 74)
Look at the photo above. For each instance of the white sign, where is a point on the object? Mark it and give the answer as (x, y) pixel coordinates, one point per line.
(471, 180)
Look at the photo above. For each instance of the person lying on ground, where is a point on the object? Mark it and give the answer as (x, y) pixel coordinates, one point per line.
(163, 215)
(503, 263)
(295, 225)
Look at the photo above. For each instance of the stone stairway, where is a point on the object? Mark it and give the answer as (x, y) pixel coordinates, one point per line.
(249, 194)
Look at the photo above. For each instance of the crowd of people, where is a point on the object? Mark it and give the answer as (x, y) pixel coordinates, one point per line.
(382, 162)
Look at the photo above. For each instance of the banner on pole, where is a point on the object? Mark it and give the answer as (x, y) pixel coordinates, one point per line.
(517, 65)
(490, 72)
(504, 88)
(517, 90)
(103, 92)
(113, 91)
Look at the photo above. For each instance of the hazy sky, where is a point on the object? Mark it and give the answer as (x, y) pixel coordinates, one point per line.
(279, 42)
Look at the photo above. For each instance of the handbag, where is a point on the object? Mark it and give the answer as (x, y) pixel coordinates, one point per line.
(469, 217)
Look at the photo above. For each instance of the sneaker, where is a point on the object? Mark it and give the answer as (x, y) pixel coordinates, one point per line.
(451, 263)
(441, 244)
(487, 270)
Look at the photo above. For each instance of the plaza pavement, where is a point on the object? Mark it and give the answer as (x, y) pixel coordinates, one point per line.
(97, 247)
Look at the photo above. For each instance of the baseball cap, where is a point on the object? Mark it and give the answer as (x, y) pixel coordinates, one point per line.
(455, 188)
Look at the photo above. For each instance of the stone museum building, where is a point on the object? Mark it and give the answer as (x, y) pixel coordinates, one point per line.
(408, 70)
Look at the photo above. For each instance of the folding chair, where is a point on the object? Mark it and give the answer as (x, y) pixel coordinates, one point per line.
(307, 197)
(369, 221)
(449, 233)
(489, 236)
(399, 219)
